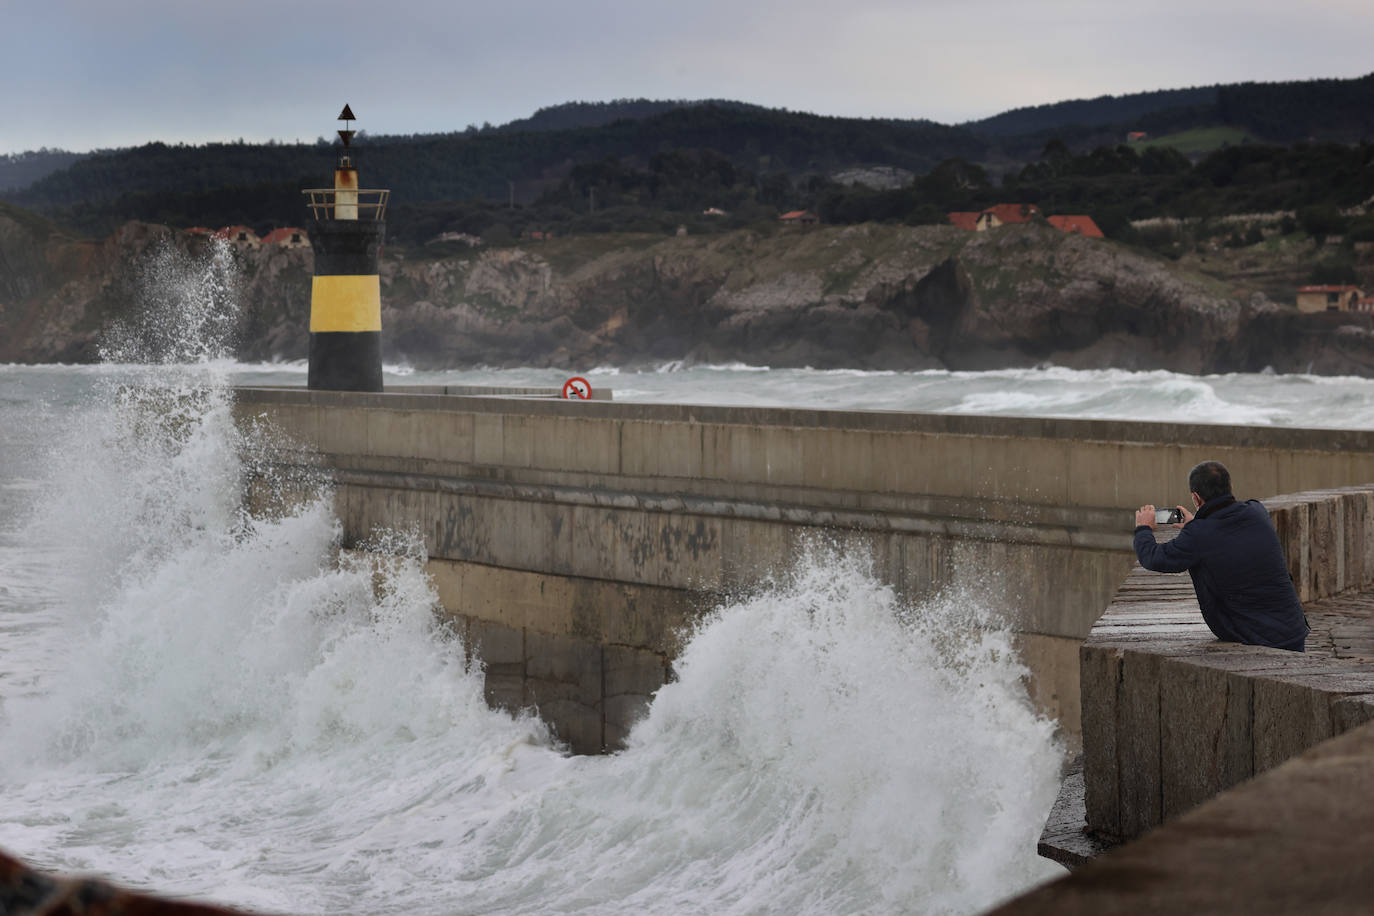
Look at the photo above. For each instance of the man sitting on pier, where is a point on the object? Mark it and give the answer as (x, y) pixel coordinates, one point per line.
(1232, 552)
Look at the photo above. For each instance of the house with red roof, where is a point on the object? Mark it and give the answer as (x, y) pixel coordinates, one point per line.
(289, 237)
(1329, 297)
(240, 235)
(1006, 214)
(1078, 224)
(992, 217)
(799, 218)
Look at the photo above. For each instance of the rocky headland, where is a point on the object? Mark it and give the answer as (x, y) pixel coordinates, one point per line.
(867, 296)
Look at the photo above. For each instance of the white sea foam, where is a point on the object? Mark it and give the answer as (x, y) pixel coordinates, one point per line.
(231, 712)
(222, 706)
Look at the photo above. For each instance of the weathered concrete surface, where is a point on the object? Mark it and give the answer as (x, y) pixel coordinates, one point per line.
(1172, 717)
(1064, 839)
(647, 513)
(1296, 839)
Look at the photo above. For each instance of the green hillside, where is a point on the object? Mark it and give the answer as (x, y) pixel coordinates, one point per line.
(1199, 140)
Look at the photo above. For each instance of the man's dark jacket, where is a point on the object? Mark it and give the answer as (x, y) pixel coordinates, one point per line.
(1238, 570)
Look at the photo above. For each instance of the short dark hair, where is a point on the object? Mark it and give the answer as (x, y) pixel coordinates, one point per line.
(1209, 480)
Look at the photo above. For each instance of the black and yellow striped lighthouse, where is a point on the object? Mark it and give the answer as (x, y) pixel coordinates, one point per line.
(347, 229)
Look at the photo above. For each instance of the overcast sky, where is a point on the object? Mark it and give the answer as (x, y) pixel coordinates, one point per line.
(104, 73)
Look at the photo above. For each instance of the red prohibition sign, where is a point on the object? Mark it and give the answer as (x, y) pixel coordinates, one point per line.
(577, 387)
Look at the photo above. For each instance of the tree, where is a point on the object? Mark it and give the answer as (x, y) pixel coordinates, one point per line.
(1322, 220)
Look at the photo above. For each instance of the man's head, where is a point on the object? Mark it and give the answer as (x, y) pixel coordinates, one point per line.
(1209, 480)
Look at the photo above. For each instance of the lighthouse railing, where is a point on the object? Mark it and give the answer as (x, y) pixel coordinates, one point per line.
(370, 202)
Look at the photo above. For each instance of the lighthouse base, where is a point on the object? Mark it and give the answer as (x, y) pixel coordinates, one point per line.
(345, 361)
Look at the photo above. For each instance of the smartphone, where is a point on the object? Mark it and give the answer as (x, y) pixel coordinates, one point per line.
(1168, 516)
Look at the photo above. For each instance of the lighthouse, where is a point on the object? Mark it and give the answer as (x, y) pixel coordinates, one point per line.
(346, 231)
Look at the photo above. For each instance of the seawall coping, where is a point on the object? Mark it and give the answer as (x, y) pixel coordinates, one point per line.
(1078, 430)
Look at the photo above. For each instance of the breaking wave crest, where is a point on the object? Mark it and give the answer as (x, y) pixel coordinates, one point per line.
(224, 705)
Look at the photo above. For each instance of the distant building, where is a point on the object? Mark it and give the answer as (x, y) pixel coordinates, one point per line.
(287, 238)
(1006, 214)
(536, 235)
(1365, 304)
(1329, 298)
(966, 220)
(199, 230)
(1136, 136)
(240, 235)
(1076, 224)
(799, 218)
(714, 211)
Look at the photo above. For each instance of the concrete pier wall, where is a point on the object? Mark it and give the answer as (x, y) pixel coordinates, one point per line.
(572, 540)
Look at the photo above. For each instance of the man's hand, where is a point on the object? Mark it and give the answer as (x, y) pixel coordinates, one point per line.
(1187, 516)
(1145, 515)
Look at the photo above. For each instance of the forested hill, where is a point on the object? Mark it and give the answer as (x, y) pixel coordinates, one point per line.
(99, 192)
(1326, 109)
(19, 170)
(1106, 109)
(666, 161)
(594, 114)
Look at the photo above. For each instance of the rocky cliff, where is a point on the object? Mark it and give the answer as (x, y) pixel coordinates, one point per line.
(862, 296)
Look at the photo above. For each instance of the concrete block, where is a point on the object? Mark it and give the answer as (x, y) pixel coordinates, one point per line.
(620, 715)
(783, 462)
(425, 435)
(1100, 682)
(630, 679)
(570, 444)
(630, 670)
(392, 432)
(936, 465)
(343, 431)
(1367, 577)
(1054, 681)
(1326, 537)
(563, 681)
(488, 438)
(751, 550)
(463, 528)
(1205, 740)
(1352, 712)
(1138, 743)
(1289, 718)
(842, 459)
(650, 449)
(1291, 522)
(501, 651)
(500, 647)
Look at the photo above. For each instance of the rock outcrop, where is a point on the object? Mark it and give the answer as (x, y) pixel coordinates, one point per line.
(865, 296)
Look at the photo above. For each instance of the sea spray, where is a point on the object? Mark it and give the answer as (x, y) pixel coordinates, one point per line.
(251, 718)
(229, 707)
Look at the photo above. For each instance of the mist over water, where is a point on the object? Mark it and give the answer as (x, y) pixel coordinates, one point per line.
(206, 703)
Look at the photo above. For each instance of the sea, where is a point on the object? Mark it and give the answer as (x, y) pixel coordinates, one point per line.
(216, 706)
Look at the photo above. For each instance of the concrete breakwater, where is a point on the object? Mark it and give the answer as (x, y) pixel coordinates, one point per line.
(571, 541)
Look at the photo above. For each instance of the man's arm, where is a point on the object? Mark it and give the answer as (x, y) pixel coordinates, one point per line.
(1170, 557)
